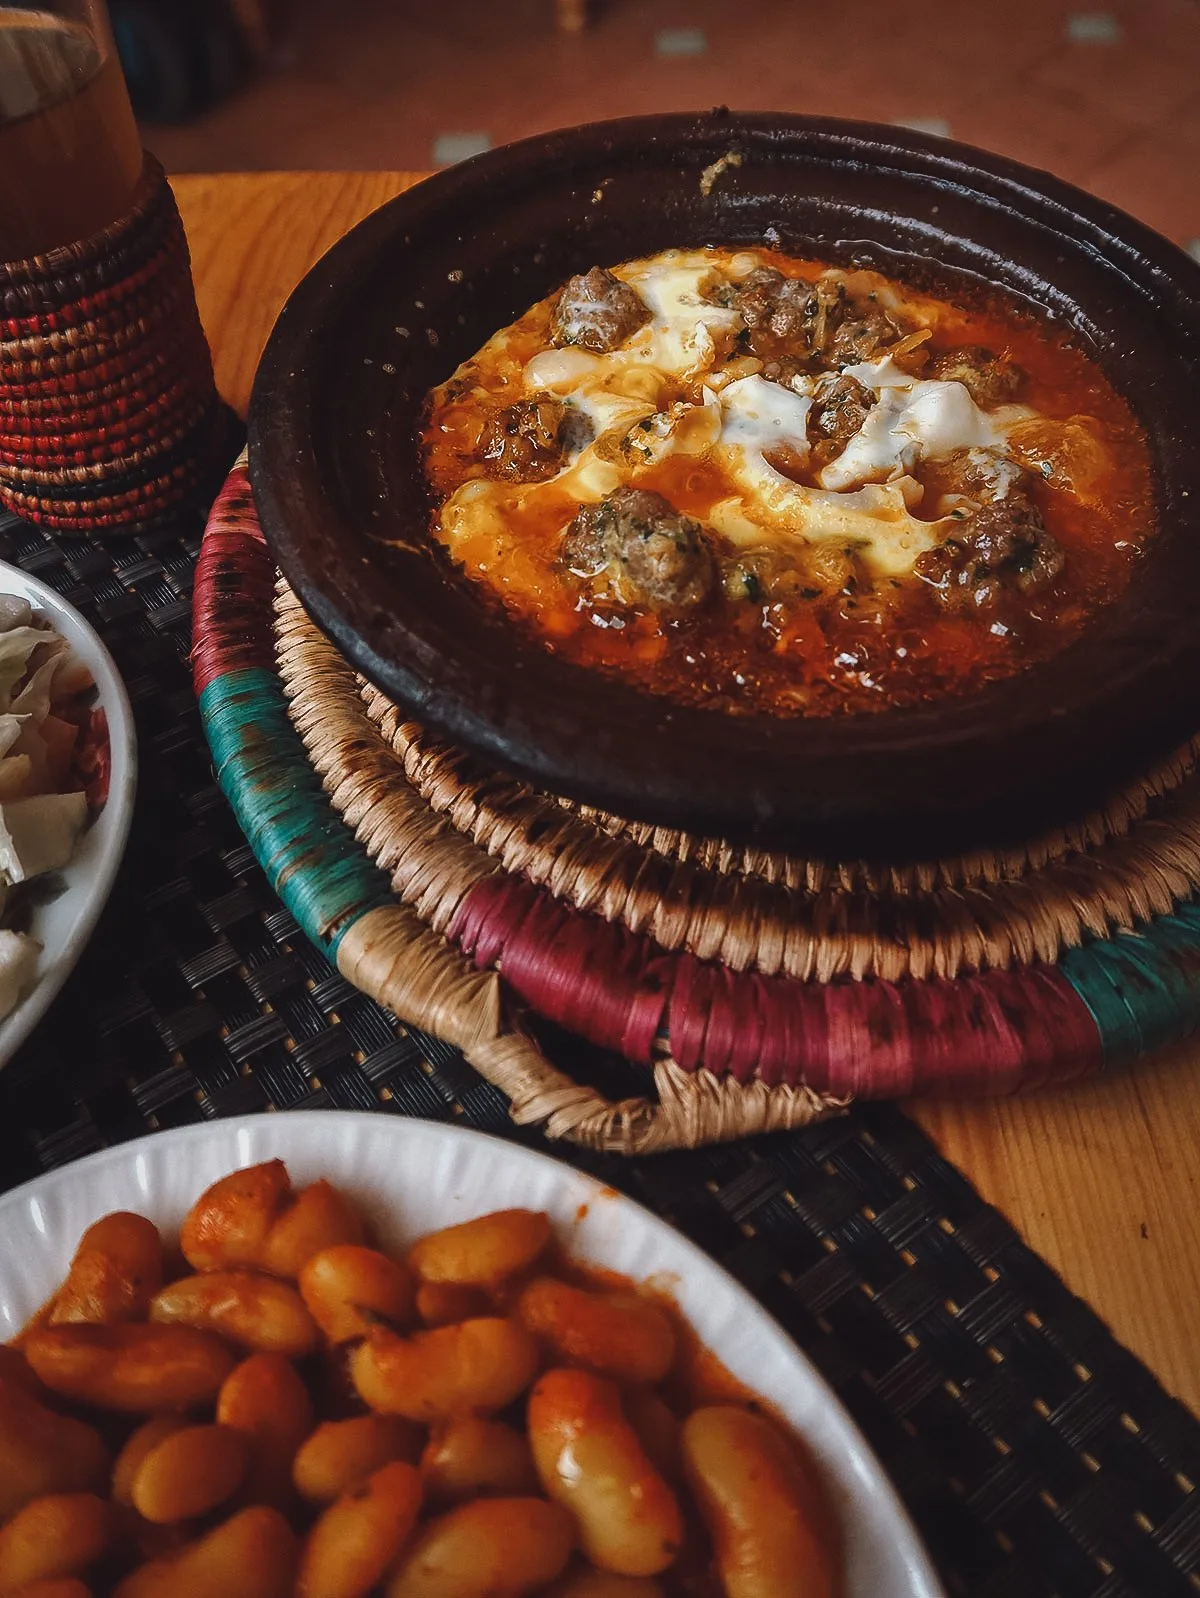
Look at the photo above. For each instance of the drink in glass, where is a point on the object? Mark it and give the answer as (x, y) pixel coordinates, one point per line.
(70, 154)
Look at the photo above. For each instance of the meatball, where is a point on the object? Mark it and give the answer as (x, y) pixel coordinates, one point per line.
(794, 326)
(1009, 537)
(1002, 547)
(598, 312)
(989, 379)
(784, 307)
(789, 323)
(862, 338)
(840, 406)
(972, 477)
(528, 442)
(646, 553)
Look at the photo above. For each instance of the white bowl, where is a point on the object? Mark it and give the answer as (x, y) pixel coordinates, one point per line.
(64, 924)
(412, 1176)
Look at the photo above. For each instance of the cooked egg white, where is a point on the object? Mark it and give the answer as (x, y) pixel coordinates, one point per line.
(913, 420)
(687, 332)
(757, 415)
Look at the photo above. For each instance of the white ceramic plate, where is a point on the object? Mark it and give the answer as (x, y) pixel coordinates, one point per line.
(63, 925)
(413, 1176)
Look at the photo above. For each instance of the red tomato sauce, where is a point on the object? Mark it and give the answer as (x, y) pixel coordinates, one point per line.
(857, 646)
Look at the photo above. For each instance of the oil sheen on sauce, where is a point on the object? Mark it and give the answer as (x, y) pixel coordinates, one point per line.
(855, 635)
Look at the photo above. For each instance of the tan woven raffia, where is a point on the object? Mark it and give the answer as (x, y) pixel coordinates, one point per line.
(439, 827)
(978, 868)
(389, 954)
(398, 956)
(441, 772)
(1136, 857)
(431, 866)
(392, 956)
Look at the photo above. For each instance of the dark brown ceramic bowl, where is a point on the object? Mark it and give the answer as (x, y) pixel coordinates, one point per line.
(421, 284)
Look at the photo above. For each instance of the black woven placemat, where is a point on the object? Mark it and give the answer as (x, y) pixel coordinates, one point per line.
(1037, 1456)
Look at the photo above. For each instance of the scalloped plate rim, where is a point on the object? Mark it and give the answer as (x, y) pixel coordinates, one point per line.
(440, 1173)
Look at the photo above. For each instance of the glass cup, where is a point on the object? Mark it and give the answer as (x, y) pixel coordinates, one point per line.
(70, 154)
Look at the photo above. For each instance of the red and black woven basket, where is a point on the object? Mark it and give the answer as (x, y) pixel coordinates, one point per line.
(109, 419)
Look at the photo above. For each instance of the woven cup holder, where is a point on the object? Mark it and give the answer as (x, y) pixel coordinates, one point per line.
(759, 989)
(109, 419)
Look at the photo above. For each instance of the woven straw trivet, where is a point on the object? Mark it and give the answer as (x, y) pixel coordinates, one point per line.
(761, 988)
(345, 905)
(812, 919)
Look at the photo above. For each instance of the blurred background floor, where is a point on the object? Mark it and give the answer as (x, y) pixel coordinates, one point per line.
(1109, 99)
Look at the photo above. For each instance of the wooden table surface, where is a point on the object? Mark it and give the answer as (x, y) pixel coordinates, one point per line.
(1102, 1180)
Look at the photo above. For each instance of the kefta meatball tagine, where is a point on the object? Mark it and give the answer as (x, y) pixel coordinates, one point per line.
(762, 484)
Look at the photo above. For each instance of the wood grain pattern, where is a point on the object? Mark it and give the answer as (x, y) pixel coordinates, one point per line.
(1103, 1180)
(253, 236)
